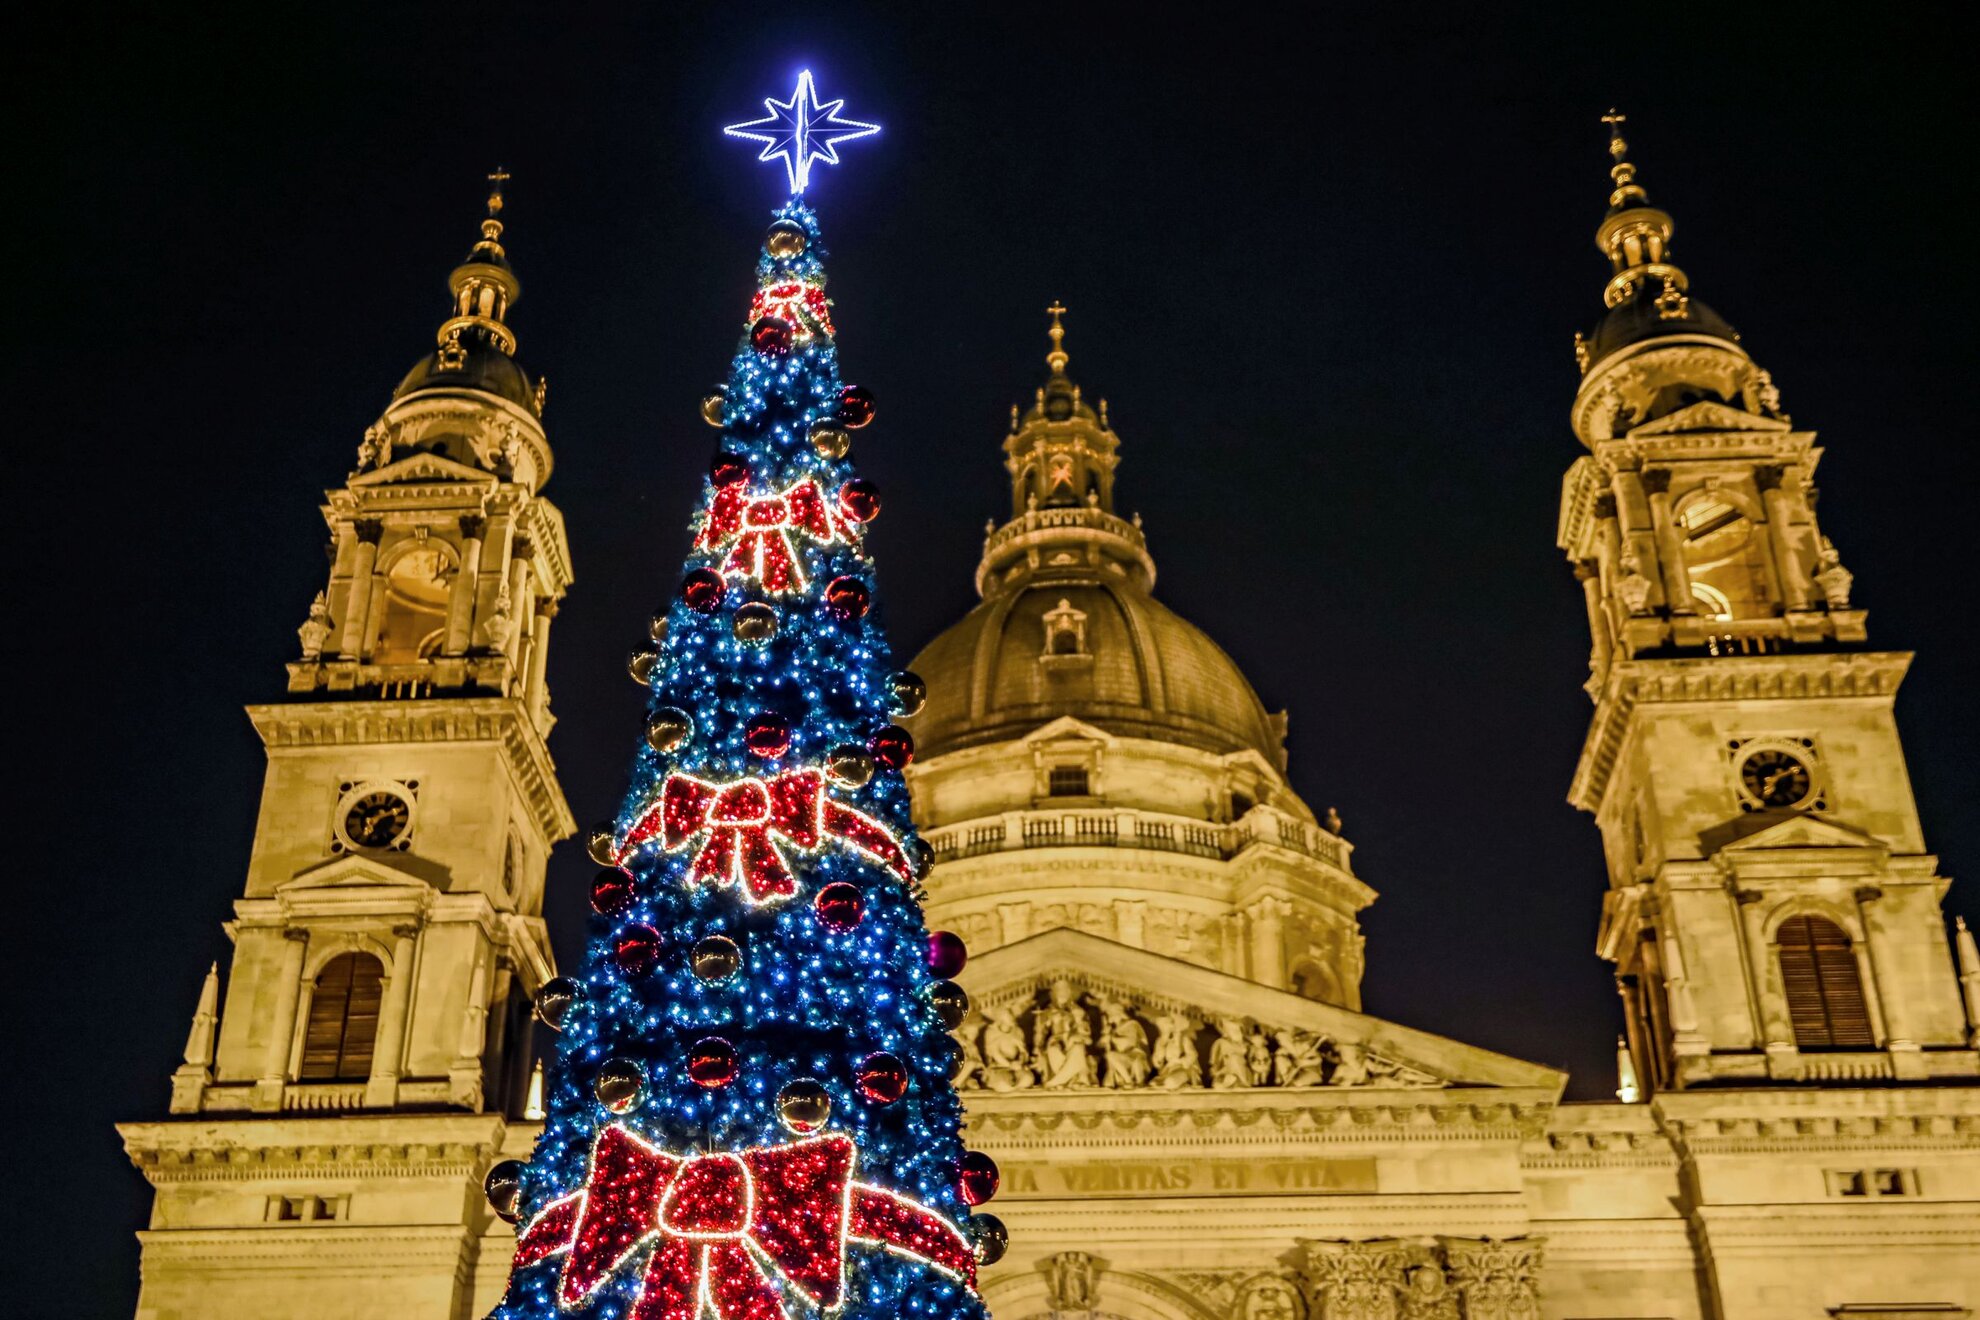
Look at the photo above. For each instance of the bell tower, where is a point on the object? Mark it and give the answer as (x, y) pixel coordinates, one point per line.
(373, 1034)
(1772, 912)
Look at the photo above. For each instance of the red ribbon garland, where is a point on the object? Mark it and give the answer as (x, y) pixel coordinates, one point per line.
(745, 819)
(804, 306)
(761, 527)
(727, 1227)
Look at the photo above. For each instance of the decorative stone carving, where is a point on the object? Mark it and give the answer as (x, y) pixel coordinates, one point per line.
(1269, 1297)
(1175, 1061)
(1228, 1053)
(1766, 393)
(315, 630)
(1070, 1281)
(1125, 1043)
(1499, 1279)
(1062, 1039)
(375, 450)
(1426, 1294)
(1634, 588)
(499, 625)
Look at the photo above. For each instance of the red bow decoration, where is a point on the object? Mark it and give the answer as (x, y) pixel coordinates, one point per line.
(744, 820)
(801, 305)
(727, 1227)
(761, 527)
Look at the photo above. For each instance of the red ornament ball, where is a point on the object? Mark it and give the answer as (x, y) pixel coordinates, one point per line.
(712, 1062)
(946, 953)
(855, 406)
(772, 336)
(840, 906)
(611, 892)
(883, 1078)
(859, 500)
(847, 599)
(637, 950)
(767, 735)
(976, 1177)
(727, 469)
(703, 590)
(892, 747)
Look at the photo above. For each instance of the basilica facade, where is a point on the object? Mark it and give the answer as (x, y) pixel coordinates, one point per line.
(1165, 1051)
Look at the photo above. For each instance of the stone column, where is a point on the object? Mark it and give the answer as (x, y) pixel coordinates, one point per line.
(282, 1023)
(382, 1090)
(467, 587)
(1878, 963)
(464, 1076)
(1670, 546)
(538, 688)
(1775, 1028)
(1589, 574)
(357, 607)
(521, 606)
(1788, 571)
(1267, 918)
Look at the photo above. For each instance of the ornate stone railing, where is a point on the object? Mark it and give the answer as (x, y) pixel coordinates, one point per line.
(1040, 520)
(1129, 828)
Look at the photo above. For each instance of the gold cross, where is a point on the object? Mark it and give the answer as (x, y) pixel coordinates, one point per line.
(496, 180)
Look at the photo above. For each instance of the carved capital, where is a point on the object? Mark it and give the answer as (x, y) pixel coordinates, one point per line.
(1767, 476)
(521, 548)
(1605, 505)
(1498, 1278)
(473, 525)
(546, 608)
(1586, 570)
(369, 531)
(1657, 480)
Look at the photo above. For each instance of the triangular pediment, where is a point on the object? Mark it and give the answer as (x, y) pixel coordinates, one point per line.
(1803, 831)
(1069, 729)
(1067, 1010)
(352, 871)
(1708, 416)
(422, 465)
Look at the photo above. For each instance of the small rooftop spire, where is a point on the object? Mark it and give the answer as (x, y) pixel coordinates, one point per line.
(483, 287)
(1627, 191)
(1057, 358)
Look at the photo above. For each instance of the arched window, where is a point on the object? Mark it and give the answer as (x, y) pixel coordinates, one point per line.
(343, 1020)
(1724, 557)
(1824, 988)
(415, 621)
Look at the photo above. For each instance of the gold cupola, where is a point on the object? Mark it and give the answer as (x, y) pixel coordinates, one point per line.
(475, 345)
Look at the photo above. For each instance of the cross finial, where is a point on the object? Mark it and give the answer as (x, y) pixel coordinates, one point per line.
(1057, 358)
(1615, 120)
(496, 179)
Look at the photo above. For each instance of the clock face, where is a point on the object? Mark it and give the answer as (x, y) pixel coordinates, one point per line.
(377, 819)
(1776, 778)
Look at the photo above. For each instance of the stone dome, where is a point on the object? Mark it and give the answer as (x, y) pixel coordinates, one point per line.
(483, 367)
(1106, 653)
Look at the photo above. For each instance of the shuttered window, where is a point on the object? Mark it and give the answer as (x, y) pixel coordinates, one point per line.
(343, 1020)
(1824, 988)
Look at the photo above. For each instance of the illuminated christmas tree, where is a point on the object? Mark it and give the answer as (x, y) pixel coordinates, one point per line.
(752, 1113)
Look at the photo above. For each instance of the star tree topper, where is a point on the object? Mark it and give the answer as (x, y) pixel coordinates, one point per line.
(800, 131)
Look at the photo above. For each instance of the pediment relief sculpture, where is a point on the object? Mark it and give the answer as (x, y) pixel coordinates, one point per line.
(1067, 1033)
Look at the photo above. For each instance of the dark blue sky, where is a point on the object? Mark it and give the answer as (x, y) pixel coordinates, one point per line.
(1326, 269)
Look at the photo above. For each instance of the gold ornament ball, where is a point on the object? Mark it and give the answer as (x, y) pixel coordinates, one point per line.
(786, 240)
(831, 442)
(711, 408)
(804, 1105)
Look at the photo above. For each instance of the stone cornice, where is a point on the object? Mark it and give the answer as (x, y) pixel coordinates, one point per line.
(428, 720)
(363, 1146)
(1805, 1120)
(1169, 1122)
(1871, 676)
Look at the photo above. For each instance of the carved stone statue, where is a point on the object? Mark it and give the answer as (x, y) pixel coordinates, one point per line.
(1297, 1060)
(499, 625)
(1834, 579)
(1227, 1055)
(1350, 1065)
(1767, 393)
(1125, 1042)
(315, 630)
(1006, 1058)
(375, 450)
(1258, 1057)
(1069, 1281)
(1175, 1052)
(1063, 1040)
(1634, 588)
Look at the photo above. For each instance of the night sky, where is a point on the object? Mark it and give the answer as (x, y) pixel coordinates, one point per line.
(1326, 271)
